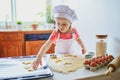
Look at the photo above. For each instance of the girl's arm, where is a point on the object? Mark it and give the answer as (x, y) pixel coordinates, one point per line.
(41, 52)
(81, 44)
(44, 48)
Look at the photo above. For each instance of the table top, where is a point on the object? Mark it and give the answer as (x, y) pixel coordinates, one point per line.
(81, 74)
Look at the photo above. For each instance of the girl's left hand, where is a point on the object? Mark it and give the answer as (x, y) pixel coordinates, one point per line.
(83, 50)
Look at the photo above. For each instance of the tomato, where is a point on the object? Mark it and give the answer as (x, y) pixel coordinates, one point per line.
(102, 60)
(97, 61)
(87, 62)
(111, 57)
(93, 64)
(107, 57)
(98, 57)
(93, 59)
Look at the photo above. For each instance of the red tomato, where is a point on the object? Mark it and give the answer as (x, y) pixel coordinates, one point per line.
(98, 57)
(111, 57)
(93, 59)
(93, 64)
(102, 60)
(97, 61)
(87, 62)
(107, 57)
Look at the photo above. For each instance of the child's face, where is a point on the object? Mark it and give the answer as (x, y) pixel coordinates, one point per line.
(63, 24)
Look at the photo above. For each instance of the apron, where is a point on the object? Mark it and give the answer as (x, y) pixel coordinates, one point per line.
(64, 46)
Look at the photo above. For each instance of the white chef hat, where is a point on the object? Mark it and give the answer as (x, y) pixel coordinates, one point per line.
(64, 11)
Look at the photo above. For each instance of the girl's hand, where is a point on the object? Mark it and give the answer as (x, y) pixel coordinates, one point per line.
(36, 63)
(83, 50)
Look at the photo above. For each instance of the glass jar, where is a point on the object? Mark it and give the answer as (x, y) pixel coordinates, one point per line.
(90, 55)
(101, 45)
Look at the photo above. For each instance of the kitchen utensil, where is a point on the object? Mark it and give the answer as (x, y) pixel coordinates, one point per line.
(112, 66)
(16, 71)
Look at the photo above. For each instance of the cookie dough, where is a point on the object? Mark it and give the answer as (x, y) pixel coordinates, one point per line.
(27, 62)
(66, 63)
(28, 65)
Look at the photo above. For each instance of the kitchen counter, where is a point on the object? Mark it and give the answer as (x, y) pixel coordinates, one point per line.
(29, 29)
(83, 74)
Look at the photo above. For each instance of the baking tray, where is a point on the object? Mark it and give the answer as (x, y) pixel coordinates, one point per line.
(13, 69)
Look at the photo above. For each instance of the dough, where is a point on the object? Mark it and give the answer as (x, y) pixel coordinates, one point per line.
(28, 66)
(30, 69)
(66, 63)
(27, 62)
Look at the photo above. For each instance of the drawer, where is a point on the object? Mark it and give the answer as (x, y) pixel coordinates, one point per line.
(11, 36)
(32, 47)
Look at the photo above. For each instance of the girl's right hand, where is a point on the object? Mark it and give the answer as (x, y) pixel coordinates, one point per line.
(36, 63)
(83, 51)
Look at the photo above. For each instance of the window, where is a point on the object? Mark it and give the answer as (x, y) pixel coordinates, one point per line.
(30, 10)
(24, 10)
(5, 10)
(27, 11)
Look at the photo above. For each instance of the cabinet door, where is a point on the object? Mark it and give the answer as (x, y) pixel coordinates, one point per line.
(2, 49)
(11, 48)
(32, 47)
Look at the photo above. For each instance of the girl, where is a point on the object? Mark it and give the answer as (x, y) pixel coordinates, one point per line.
(63, 36)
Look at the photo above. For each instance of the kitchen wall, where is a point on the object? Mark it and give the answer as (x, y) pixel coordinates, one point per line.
(98, 17)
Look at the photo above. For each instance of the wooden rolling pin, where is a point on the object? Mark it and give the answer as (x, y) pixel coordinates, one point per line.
(112, 66)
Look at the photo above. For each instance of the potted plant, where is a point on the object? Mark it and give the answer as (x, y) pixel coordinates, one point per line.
(34, 26)
(19, 25)
(48, 14)
(49, 17)
(19, 22)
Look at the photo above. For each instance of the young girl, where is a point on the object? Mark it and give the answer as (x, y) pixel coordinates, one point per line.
(63, 36)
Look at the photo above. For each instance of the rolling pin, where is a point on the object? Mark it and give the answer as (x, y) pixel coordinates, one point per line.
(112, 66)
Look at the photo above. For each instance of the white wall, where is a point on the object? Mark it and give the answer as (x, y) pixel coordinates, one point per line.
(98, 17)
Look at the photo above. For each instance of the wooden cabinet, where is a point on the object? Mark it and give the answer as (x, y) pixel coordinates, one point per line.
(32, 47)
(35, 40)
(11, 48)
(10, 44)
(15, 43)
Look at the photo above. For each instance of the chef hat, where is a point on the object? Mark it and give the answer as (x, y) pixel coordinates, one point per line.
(64, 11)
